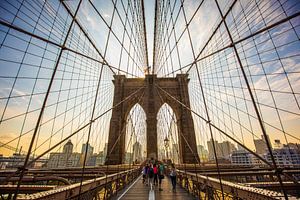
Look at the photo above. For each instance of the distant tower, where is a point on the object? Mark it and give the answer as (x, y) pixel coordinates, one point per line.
(151, 99)
(261, 145)
(68, 148)
(137, 151)
(90, 149)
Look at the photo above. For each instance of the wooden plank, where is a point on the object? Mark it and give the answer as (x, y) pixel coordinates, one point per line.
(168, 193)
(138, 191)
(141, 191)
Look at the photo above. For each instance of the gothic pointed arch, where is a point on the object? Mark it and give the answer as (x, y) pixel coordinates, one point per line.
(135, 136)
(167, 134)
(151, 93)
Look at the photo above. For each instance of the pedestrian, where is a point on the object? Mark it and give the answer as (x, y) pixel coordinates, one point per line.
(147, 174)
(173, 177)
(150, 175)
(161, 172)
(144, 172)
(155, 171)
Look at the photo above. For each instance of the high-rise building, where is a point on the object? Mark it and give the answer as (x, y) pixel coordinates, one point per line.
(90, 149)
(203, 153)
(68, 147)
(100, 158)
(211, 155)
(261, 145)
(137, 151)
(223, 150)
(65, 159)
(90, 158)
(226, 149)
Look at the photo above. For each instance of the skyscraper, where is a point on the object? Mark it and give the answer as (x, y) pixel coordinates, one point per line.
(90, 149)
(65, 159)
(261, 145)
(137, 151)
(223, 150)
(68, 147)
(203, 153)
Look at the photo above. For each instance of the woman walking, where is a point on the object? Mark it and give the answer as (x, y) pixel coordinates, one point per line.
(144, 172)
(155, 171)
(150, 175)
(173, 177)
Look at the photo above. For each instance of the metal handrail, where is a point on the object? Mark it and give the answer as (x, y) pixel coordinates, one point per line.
(239, 191)
(72, 191)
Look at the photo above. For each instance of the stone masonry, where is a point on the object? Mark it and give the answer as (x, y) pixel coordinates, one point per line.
(151, 98)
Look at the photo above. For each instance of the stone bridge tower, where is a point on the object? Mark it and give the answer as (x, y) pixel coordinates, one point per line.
(151, 98)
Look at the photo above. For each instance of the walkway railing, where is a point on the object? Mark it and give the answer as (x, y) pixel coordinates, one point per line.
(205, 187)
(98, 188)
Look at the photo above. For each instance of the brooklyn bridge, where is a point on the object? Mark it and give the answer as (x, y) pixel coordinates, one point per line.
(93, 91)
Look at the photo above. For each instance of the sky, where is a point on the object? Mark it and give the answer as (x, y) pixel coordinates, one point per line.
(270, 60)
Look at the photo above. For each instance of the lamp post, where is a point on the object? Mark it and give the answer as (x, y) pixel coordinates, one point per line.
(166, 143)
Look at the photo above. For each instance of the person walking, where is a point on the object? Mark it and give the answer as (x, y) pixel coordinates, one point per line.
(150, 175)
(147, 174)
(144, 172)
(161, 172)
(173, 177)
(155, 178)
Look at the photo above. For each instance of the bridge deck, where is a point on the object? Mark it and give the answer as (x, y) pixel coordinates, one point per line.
(138, 190)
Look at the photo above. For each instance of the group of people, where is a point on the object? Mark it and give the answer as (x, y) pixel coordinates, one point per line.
(154, 173)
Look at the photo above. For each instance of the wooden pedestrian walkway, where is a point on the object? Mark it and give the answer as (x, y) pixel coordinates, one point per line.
(138, 190)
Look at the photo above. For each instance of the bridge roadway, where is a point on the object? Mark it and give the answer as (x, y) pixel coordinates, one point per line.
(137, 190)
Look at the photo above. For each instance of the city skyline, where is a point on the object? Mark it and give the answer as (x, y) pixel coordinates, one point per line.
(95, 92)
(26, 71)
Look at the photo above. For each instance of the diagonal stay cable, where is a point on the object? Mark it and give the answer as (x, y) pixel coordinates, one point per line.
(114, 145)
(226, 134)
(39, 119)
(133, 127)
(189, 66)
(113, 32)
(74, 133)
(209, 122)
(145, 33)
(197, 158)
(122, 131)
(61, 46)
(181, 134)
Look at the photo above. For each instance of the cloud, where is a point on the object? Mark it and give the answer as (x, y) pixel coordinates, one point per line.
(106, 15)
(87, 11)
